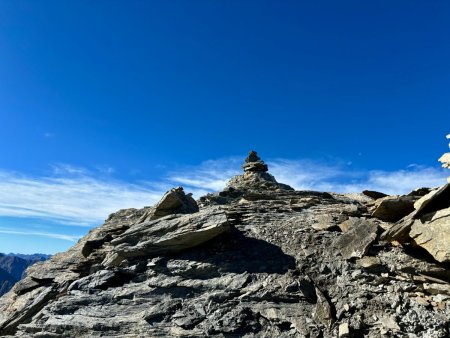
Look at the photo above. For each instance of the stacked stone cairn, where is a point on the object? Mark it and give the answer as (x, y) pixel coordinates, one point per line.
(254, 163)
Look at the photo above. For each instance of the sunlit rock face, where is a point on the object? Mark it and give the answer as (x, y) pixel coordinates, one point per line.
(257, 259)
(445, 159)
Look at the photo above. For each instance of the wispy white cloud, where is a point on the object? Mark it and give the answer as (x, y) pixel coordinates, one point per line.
(210, 175)
(67, 169)
(77, 196)
(403, 181)
(72, 199)
(69, 238)
(336, 176)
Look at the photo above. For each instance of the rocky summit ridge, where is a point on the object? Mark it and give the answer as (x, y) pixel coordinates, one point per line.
(258, 259)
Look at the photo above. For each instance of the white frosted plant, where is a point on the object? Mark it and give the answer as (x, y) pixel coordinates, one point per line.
(445, 159)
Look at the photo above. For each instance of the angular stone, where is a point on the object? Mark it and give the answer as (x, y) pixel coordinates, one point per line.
(434, 235)
(369, 262)
(374, 194)
(437, 289)
(393, 208)
(325, 222)
(175, 201)
(322, 312)
(350, 223)
(435, 200)
(344, 330)
(356, 242)
(420, 192)
(168, 235)
(389, 322)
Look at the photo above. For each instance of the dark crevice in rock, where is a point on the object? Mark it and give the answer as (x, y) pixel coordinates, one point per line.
(440, 201)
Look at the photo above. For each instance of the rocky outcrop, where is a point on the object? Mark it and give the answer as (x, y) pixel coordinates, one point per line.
(257, 259)
(168, 235)
(356, 241)
(374, 194)
(434, 235)
(175, 201)
(393, 208)
(428, 226)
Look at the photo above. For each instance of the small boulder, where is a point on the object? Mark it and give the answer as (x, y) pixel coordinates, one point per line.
(435, 200)
(374, 194)
(356, 242)
(175, 201)
(344, 330)
(434, 235)
(322, 313)
(393, 208)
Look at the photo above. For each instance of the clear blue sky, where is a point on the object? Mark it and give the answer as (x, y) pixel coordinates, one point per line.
(122, 92)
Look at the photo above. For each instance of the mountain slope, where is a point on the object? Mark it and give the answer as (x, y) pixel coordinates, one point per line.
(256, 259)
(13, 267)
(6, 281)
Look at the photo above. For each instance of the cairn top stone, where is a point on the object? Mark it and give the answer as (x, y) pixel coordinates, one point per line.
(254, 163)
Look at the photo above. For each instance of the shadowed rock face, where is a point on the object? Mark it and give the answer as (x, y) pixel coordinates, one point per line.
(257, 259)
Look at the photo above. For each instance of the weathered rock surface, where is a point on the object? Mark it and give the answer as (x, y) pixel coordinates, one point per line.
(356, 242)
(393, 208)
(257, 259)
(374, 194)
(428, 226)
(434, 235)
(175, 201)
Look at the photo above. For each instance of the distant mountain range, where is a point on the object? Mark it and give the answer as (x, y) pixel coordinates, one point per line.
(13, 266)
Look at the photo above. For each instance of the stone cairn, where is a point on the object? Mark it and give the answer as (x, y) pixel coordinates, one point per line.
(445, 159)
(254, 164)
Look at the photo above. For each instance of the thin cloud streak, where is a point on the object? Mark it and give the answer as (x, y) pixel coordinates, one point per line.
(309, 175)
(76, 196)
(80, 200)
(69, 238)
(316, 175)
(210, 175)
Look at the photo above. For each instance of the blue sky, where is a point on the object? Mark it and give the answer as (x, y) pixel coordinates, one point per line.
(105, 105)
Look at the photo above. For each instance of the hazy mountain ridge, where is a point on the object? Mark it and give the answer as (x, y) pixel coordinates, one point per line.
(13, 266)
(6, 281)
